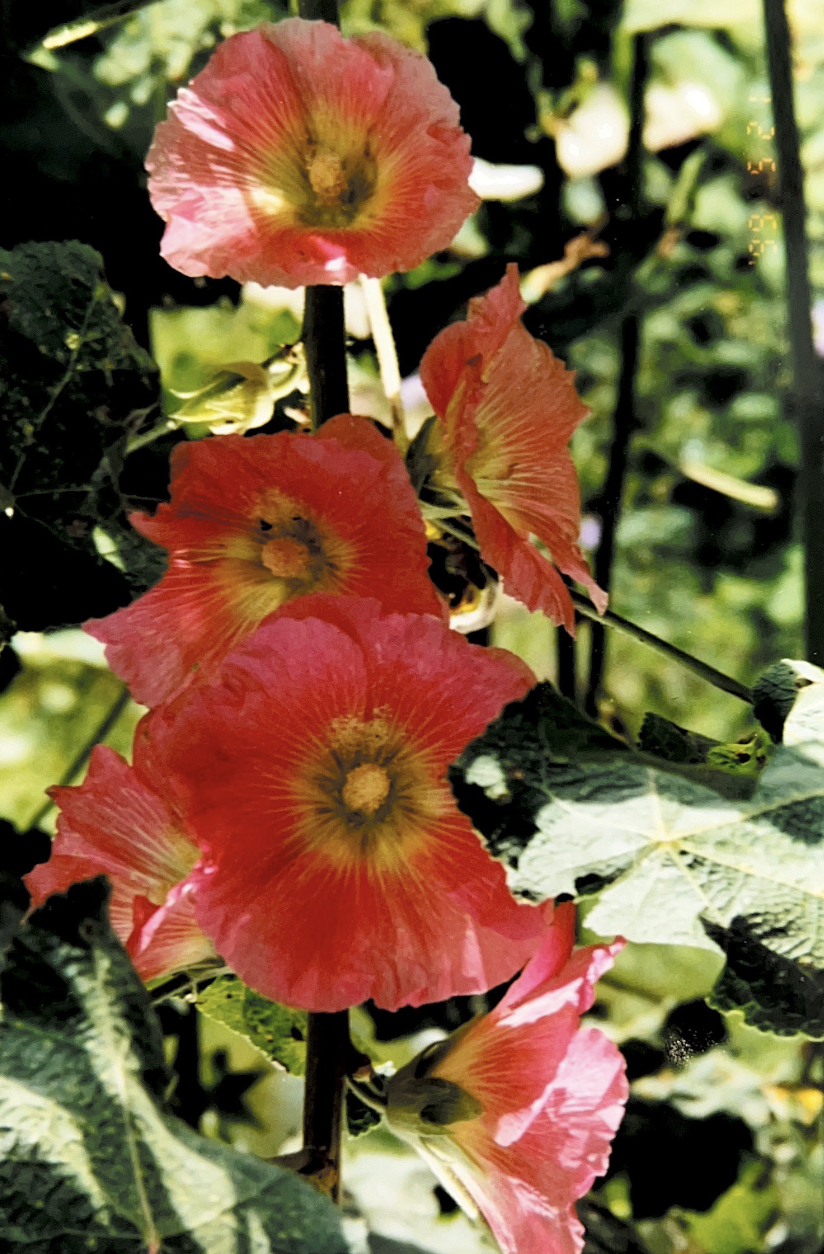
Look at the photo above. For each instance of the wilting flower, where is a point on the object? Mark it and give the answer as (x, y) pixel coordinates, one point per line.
(312, 771)
(297, 156)
(254, 523)
(516, 1111)
(117, 823)
(507, 408)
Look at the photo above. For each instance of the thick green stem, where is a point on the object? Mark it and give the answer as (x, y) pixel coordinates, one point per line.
(808, 393)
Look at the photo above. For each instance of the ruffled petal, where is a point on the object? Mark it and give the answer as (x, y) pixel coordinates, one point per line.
(232, 168)
(116, 824)
(311, 911)
(347, 499)
(553, 1097)
(507, 409)
(167, 938)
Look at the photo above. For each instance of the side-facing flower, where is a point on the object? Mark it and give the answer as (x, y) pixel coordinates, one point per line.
(118, 823)
(254, 523)
(297, 156)
(517, 1111)
(312, 772)
(507, 408)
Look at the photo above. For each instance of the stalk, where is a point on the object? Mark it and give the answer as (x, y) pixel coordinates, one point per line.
(328, 1045)
(807, 400)
(624, 422)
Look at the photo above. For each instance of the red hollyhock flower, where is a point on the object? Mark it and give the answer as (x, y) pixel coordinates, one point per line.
(298, 156)
(507, 408)
(312, 772)
(517, 1110)
(254, 523)
(116, 823)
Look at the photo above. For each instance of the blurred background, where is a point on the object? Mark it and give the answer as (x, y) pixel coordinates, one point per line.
(626, 163)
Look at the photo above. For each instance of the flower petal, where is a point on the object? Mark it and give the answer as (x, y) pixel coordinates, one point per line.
(349, 490)
(306, 909)
(507, 409)
(168, 937)
(231, 167)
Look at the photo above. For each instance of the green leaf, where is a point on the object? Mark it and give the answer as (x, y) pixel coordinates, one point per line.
(89, 1161)
(75, 385)
(277, 1032)
(664, 851)
(774, 993)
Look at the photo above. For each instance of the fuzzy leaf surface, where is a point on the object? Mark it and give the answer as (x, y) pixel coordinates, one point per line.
(89, 1159)
(665, 852)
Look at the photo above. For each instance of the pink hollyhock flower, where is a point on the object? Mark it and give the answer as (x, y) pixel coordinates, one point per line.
(117, 823)
(297, 156)
(517, 1110)
(507, 408)
(312, 772)
(254, 523)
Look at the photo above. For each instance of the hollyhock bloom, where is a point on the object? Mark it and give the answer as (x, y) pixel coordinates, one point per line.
(312, 771)
(297, 156)
(254, 523)
(517, 1110)
(507, 408)
(117, 823)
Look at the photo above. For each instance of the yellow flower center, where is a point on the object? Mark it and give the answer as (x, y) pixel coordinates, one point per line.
(327, 177)
(367, 794)
(365, 789)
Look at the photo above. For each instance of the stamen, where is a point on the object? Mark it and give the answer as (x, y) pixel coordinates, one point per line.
(365, 789)
(328, 177)
(285, 557)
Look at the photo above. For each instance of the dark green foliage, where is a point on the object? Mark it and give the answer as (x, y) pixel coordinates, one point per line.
(773, 992)
(75, 386)
(89, 1160)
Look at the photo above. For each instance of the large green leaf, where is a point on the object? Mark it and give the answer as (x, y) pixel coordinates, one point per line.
(76, 385)
(89, 1160)
(667, 854)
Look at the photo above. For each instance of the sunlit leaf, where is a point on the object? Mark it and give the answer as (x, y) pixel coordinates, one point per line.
(665, 852)
(89, 1159)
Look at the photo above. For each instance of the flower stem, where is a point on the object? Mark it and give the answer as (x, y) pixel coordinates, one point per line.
(328, 1051)
(624, 421)
(325, 343)
(806, 401)
(717, 678)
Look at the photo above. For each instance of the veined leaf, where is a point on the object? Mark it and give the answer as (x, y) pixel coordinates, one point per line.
(277, 1032)
(89, 1160)
(665, 852)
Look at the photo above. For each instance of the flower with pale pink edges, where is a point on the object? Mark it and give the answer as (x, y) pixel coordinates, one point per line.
(516, 1111)
(506, 409)
(312, 771)
(253, 524)
(120, 823)
(300, 157)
